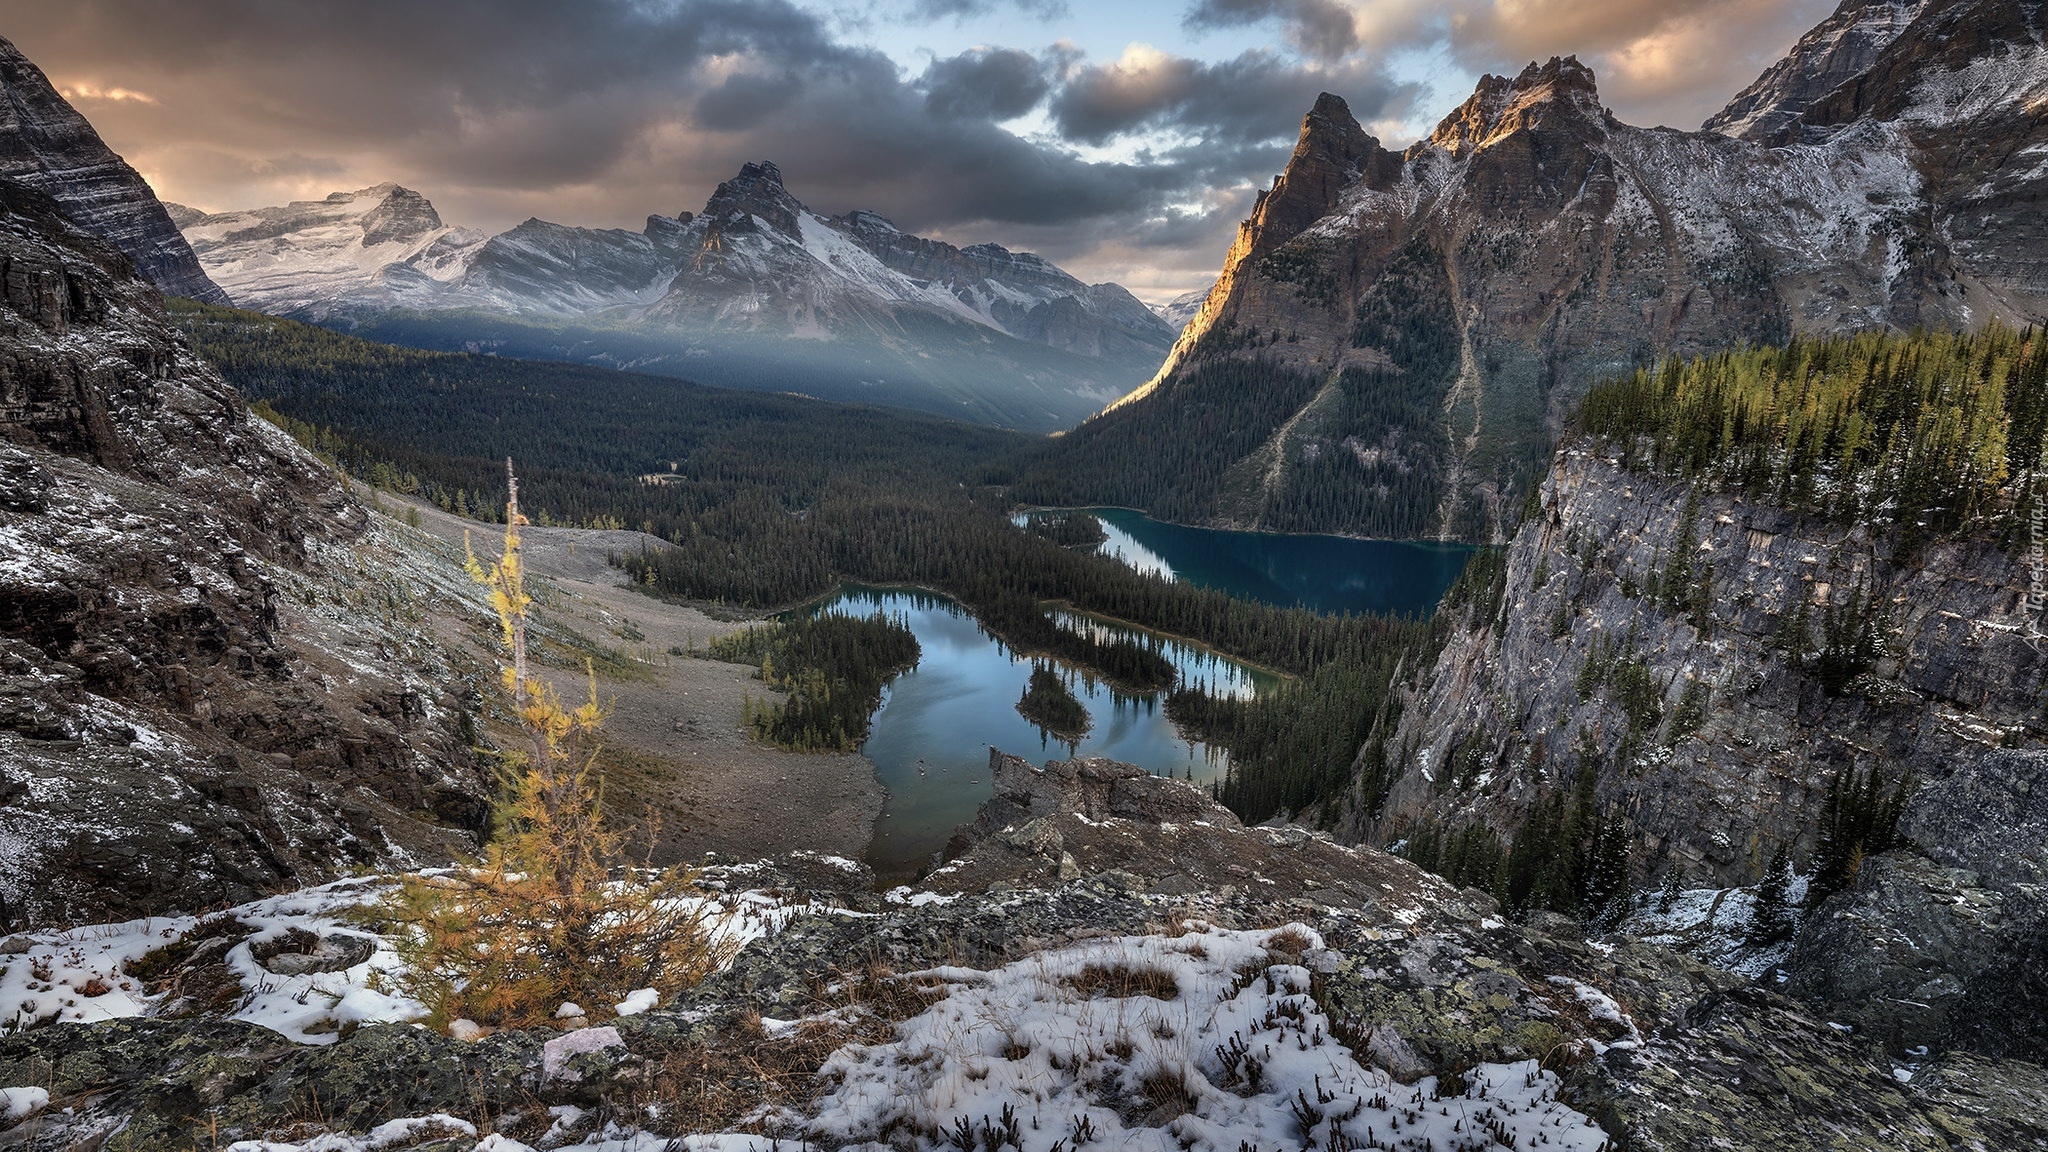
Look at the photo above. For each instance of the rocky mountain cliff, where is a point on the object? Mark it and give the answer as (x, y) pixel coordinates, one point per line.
(1838, 50)
(1401, 333)
(46, 145)
(748, 291)
(202, 694)
(1717, 744)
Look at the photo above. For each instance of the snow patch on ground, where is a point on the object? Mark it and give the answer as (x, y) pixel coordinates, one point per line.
(21, 1103)
(83, 975)
(1201, 1042)
(1712, 924)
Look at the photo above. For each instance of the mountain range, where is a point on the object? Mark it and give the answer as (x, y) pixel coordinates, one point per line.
(1397, 337)
(756, 289)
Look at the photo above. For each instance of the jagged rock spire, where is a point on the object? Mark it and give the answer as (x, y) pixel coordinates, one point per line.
(756, 191)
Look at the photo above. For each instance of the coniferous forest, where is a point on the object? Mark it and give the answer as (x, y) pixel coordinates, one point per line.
(1922, 433)
(832, 669)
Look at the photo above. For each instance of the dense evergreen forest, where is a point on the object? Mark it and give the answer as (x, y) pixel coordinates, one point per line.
(1322, 737)
(1067, 527)
(1925, 433)
(1169, 453)
(727, 474)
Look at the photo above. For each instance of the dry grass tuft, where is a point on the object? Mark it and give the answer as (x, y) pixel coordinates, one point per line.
(1120, 981)
(1288, 946)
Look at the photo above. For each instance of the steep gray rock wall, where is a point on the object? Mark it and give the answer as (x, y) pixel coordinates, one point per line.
(198, 700)
(47, 145)
(1939, 944)
(1505, 715)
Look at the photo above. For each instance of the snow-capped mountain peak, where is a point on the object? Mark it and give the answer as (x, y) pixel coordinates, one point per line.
(755, 262)
(1837, 49)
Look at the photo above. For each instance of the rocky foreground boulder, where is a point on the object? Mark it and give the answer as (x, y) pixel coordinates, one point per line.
(1423, 986)
(1940, 945)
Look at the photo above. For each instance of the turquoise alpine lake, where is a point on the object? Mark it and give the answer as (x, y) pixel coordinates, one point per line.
(1333, 574)
(932, 734)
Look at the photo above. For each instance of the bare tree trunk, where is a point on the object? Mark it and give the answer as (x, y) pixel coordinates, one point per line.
(512, 523)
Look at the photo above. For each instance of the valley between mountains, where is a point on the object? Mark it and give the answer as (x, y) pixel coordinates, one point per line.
(1545, 652)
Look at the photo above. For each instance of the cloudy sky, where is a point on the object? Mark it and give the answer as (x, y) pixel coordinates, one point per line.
(1122, 138)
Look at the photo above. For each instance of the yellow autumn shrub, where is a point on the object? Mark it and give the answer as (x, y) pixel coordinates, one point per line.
(554, 912)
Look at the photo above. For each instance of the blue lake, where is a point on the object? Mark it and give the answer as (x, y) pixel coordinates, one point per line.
(932, 734)
(1333, 574)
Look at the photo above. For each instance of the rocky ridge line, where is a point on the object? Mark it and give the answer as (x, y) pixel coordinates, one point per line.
(47, 145)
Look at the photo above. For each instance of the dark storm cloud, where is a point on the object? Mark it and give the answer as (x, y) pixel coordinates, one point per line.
(1659, 61)
(600, 112)
(987, 84)
(1259, 96)
(962, 9)
(1320, 28)
(532, 92)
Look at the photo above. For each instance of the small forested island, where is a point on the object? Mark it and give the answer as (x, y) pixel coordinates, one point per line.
(1050, 704)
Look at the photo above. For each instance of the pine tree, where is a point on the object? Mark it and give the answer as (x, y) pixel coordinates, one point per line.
(1860, 816)
(1607, 877)
(1772, 920)
(1669, 891)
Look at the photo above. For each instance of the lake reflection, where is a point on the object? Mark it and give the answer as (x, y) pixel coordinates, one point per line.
(1332, 574)
(932, 734)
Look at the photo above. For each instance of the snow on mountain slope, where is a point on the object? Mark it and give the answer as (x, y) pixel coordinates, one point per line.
(2016, 80)
(307, 257)
(1182, 308)
(556, 270)
(386, 247)
(1837, 49)
(755, 260)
